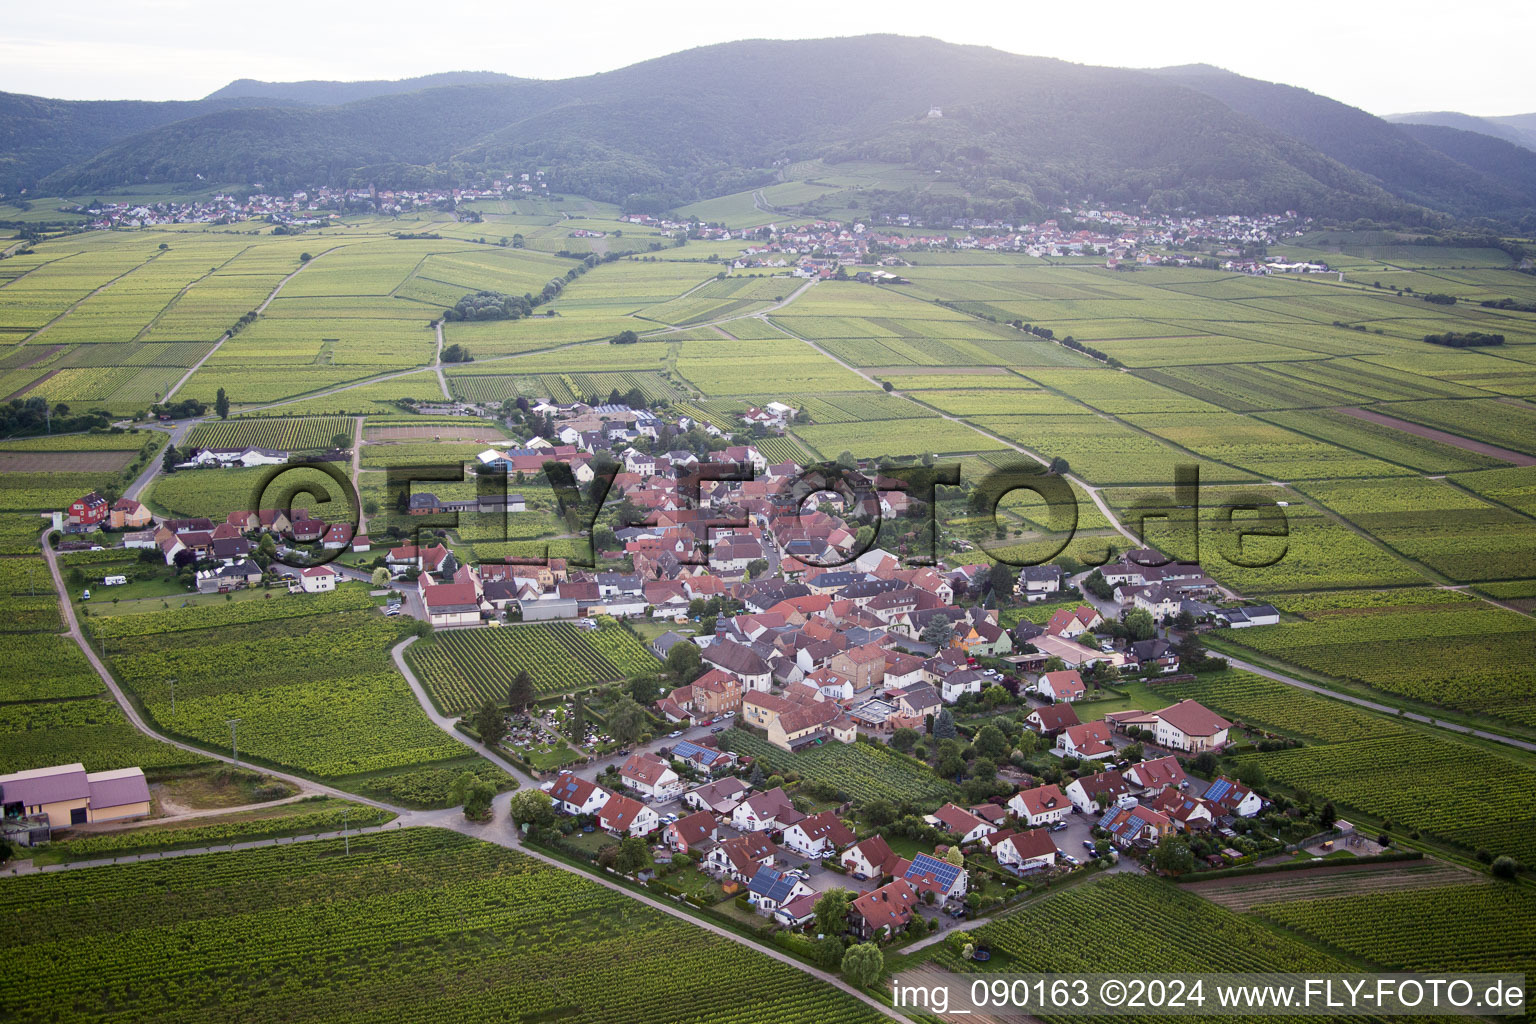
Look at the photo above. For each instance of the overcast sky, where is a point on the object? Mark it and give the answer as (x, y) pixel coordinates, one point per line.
(1387, 58)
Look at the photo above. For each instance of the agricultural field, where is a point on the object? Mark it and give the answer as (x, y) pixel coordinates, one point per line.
(331, 705)
(1460, 654)
(215, 493)
(1081, 929)
(894, 438)
(422, 924)
(283, 434)
(862, 770)
(1452, 928)
(1242, 893)
(463, 669)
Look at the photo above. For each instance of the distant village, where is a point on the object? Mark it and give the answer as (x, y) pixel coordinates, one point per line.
(808, 248)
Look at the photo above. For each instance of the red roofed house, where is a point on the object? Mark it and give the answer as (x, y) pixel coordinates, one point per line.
(317, 579)
(1191, 726)
(882, 913)
(696, 833)
(1042, 805)
(1157, 775)
(1071, 622)
(961, 822)
(451, 604)
(626, 817)
(739, 857)
(128, 514)
(820, 835)
(574, 795)
(870, 858)
(650, 776)
(1026, 851)
(1089, 740)
(1051, 719)
(1066, 685)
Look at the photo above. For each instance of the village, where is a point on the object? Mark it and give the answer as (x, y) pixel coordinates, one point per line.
(816, 637)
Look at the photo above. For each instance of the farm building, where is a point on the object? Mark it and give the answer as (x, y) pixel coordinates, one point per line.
(67, 794)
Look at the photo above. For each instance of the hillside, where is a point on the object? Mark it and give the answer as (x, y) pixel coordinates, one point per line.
(1508, 129)
(1491, 156)
(1018, 134)
(325, 94)
(1402, 164)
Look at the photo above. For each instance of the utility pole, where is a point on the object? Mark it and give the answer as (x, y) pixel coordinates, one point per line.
(173, 694)
(234, 747)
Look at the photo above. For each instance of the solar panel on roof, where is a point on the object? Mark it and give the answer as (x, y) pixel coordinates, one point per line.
(1219, 789)
(1109, 816)
(943, 872)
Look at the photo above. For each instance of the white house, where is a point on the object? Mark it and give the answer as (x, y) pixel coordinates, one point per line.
(1190, 726)
(763, 811)
(1026, 851)
(650, 776)
(960, 822)
(1110, 786)
(1089, 741)
(317, 579)
(1043, 805)
(820, 835)
(626, 817)
(1064, 685)
(572, 794)
(870, 858)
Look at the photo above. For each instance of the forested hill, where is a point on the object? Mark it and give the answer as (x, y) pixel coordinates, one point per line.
(1024, 132)
(1377, 148)
(326, 94)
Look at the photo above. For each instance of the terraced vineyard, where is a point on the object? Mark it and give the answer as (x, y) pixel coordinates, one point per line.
(864, 771)
(420, 925)
(462, 669)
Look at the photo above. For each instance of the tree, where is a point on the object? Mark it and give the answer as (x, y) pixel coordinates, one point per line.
(626, 722)
(490, 723)
(341, 441)
(944, 725)
(828, 952)
(1328, 815)
(1204, 763)
(577, 727)
(1001, 580)
(954, 856)
(475, 794)
(169, 459)
(937, 632)
(990, 741)
(532, 808)
(221, 404)
(684, 662)
(756, 778)
(1505, 868)
(633, 856)
(380, 577)
(1139, 624)
(643, 688)
(863, 964)
(950, 764)
(904, 739)
(831, 909)
(1174, 857)
(520, 691)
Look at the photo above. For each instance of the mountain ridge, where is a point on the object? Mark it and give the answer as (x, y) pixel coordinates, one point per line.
(1022, 132)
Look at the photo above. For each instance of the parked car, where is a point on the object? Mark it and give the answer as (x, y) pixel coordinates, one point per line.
(718, 728)
(1088, 845)
(674, 734)
(729, 714)
(1058, 826)
(86, 596)
(955, 910)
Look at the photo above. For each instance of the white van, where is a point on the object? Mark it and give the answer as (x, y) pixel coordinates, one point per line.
(86, 596)
(114, 581)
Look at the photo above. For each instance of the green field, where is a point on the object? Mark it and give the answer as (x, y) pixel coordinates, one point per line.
(423, 925)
